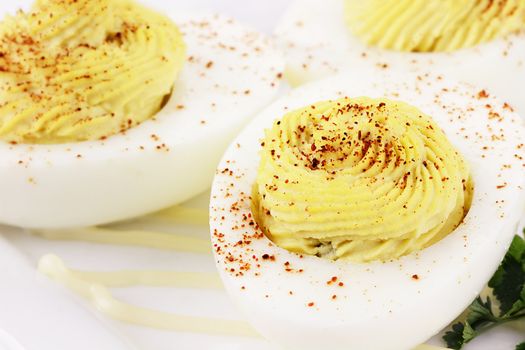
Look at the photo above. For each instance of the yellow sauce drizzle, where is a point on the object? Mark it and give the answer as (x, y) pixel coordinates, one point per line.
(180, 215)
(103, 300)
(148, 239)
(153, 278)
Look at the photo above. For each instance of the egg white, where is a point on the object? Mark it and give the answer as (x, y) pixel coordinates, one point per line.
(231, 72)
(393, 305)
(317, 42)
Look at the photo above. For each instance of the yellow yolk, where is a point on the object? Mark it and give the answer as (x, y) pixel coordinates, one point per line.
(433, 25)
(359, 179)
(77, 70)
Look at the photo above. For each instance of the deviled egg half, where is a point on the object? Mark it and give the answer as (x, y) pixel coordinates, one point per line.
(481, 42)
(109, 110)
(344, 212)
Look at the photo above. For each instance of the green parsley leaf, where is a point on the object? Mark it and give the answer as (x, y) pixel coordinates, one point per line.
(454, 337)
(508, 287)
(480, 312)
(508, 282)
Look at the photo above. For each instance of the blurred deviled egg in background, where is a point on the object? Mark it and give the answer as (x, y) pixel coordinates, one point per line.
(109, 110)
(481, 42)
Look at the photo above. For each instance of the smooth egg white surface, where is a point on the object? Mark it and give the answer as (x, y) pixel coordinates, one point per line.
(305, 302)
(317, 42)
(231, 72)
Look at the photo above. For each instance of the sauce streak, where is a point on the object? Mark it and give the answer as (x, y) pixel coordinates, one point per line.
(88, 285)
(148, 239)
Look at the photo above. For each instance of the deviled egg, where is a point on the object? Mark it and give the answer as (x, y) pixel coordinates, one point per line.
(344, 213)
(479, 42)
(109, 110)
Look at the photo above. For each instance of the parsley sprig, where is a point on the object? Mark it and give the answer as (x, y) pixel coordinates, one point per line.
(508, 287)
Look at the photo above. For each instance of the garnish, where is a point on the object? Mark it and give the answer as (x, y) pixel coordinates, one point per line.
(508, 288)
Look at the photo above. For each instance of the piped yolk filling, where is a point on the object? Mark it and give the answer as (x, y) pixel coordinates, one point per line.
(433, 25)
(359, 179)
(77, 70)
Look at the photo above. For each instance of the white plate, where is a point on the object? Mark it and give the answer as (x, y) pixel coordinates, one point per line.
(35, 314)
(79, 326)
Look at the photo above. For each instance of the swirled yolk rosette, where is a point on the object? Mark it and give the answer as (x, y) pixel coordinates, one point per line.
(359, 179)
(77, 70)
(435, 25)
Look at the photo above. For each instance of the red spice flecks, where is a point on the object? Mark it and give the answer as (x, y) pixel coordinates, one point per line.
(483, 94)
(415, 277)
(507, 106)
(331, 280)
(311, 304)
(268, 257)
